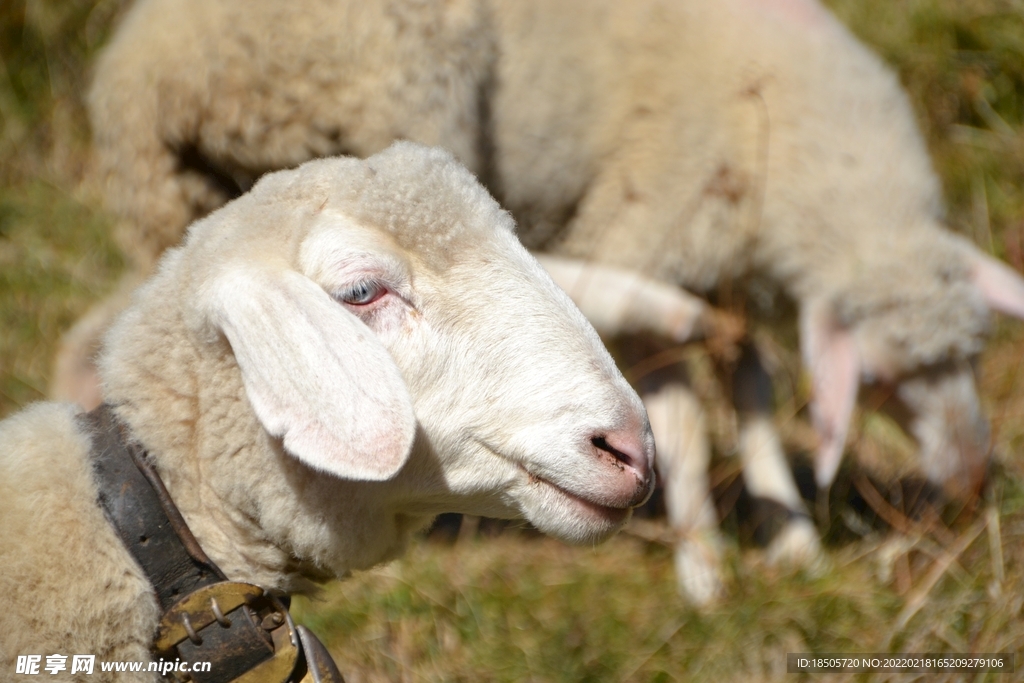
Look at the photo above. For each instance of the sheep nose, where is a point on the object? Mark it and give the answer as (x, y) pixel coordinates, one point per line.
(634, 454)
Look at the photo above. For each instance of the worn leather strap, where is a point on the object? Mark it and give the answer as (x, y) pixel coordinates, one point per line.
(141, 518)
(154, 532)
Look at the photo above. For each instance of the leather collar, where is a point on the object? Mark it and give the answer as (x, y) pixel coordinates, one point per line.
(242, 630)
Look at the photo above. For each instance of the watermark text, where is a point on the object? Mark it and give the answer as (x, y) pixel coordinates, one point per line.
(33, 665)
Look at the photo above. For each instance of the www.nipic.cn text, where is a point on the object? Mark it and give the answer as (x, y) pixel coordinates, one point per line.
(86, 664)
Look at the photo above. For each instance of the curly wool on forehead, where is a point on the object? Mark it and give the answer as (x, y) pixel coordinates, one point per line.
(425, 199)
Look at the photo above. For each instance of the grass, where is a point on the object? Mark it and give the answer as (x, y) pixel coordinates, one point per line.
(56, 254)
(521, 608)
(56, 258)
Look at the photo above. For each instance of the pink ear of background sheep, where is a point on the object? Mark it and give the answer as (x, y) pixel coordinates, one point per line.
(944, 413)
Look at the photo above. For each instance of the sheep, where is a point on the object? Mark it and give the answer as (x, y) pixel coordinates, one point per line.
(706, 145)
(714, 144)
(170, 103)
(325, 364)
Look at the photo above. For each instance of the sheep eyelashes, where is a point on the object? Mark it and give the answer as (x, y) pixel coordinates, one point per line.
(303, 436)
(362, 294)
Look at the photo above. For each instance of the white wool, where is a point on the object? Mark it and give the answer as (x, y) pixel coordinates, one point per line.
(305, 430)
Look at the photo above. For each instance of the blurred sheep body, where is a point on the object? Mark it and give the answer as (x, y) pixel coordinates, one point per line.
(700, 144)
(756, 143)
(707, 144)
(192, 111)
(322, 367)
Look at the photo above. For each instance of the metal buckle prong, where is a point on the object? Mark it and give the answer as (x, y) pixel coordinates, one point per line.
(199, 609)
(221, 619)
(192, 635)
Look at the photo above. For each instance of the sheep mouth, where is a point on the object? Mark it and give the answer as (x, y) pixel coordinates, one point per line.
(546, 501)
(583, 507)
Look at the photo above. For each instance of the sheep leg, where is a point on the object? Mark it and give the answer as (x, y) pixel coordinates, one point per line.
(617, 301)
(682, 456)
(765, 468)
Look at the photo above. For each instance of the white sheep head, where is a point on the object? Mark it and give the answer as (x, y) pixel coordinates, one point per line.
(389, 329)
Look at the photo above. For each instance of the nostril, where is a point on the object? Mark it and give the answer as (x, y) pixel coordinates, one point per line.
(633, 453)
(601, 443)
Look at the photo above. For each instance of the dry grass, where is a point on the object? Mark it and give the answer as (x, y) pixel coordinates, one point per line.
(56, 255)
(518, 608)
(525, 609)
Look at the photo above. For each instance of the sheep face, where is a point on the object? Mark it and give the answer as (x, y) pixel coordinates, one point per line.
(936, 402)
(437, 357)
(480, 343)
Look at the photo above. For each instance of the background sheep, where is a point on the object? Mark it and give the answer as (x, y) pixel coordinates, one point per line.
(716, 145)
(358, 307)
(192, 101)
(584, 118)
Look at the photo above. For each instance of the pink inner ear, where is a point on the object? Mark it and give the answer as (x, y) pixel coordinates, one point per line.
(830, 353)
(1001, 286)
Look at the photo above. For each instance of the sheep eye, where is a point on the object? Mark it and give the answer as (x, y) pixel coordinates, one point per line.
(363, 293)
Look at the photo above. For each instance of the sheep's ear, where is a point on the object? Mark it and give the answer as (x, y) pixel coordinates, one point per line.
(1001, 286)
(830, 353)
(315, 375)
